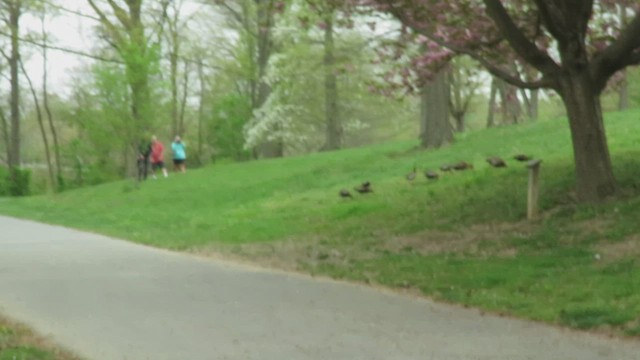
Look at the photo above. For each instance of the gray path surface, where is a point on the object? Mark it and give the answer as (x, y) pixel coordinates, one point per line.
(110, 300)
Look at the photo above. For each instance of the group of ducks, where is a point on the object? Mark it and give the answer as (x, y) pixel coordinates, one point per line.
(494, 161)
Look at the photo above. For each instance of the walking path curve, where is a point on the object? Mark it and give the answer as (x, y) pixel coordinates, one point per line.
(108, 299)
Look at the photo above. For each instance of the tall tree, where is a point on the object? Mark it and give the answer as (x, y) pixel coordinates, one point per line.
(463, 78)
(327, 11)
(45, 101)
(493, 94)
(176, 27)
(333, 140)
(435, 127)
(254, 20)
(510, 104)
(492, 31)
(125, 31)
(40, 119)
(13, 10)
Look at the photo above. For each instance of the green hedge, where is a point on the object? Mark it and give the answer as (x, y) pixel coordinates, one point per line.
(20, 186)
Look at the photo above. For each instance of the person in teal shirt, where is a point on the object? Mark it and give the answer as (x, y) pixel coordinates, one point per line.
(179, 155)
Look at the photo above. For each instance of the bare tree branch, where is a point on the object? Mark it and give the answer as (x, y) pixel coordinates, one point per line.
(621, 53)
(518, 41)
(57, 48)
(106, 22)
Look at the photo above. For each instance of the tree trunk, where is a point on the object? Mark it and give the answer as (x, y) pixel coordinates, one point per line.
(458, 107)
(435, 128)
(458, 116)
(14, 64)
(264, 22)
(137, 65)
(4, 127)
(594, 174)
(45, 100)
(492, 104)
(203, 89)
(333, 140)
(173, 60)
(623, 91)
(530, 99)
(183, 101)
(533, 104)
(43, 132)
(511, 109)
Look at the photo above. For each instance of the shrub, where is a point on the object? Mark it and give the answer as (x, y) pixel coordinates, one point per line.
(18, 185)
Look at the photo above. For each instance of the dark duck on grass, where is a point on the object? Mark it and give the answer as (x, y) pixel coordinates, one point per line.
(496, 162)
(364, 188)
(412, 175)
(522, 157)
(431, 175)
(462, 165)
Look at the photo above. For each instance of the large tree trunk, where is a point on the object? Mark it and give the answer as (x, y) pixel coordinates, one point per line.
(435, 128)
(333, 139)
(594, 174)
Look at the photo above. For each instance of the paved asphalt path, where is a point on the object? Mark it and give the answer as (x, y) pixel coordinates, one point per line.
(108, 299)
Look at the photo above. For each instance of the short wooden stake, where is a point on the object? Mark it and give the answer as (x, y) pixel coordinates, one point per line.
(534, 188)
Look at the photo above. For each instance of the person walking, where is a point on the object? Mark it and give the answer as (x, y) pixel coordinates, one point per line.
(179, 155)
(157, 157)
(144, 153)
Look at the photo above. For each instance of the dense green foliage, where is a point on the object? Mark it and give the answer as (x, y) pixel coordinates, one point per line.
(227, 122)
(18, 186)
(462, 238)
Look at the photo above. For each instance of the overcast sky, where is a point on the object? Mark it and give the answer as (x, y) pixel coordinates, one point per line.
(66, 31)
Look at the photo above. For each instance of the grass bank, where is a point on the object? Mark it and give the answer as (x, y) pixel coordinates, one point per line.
(19, 343)
(461, 239)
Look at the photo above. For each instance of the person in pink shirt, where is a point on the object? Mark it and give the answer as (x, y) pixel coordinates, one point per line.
(157, 157)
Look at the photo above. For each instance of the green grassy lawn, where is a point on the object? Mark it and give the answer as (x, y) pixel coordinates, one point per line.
(460, 239)
(19, 343)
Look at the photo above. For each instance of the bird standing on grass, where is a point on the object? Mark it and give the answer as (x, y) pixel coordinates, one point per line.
(462, 165)
(412, 175)
(344, 193)
(431, 175)
(522, 157)
(365, 188)
(496, 162)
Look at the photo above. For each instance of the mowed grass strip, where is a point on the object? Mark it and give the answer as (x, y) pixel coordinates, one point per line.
(19, 343)
(462, 238)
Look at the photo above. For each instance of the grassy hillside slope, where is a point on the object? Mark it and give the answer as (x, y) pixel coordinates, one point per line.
(462, 238)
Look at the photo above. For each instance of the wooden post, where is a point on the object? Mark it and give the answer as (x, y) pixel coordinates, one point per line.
(534, 188)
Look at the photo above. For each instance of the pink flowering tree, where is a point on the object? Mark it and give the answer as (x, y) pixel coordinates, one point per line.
(573, 45)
